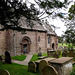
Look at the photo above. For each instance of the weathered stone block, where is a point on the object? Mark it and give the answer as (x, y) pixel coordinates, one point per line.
(49, 70)
(31, 67)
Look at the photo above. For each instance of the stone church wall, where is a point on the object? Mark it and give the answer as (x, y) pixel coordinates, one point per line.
(2, 42)
(11, 40)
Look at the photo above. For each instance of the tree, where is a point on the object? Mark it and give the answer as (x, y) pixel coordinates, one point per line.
(12, 10)
(60, 39)
(70, 32)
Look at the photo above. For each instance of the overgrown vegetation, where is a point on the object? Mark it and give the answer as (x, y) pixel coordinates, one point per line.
(20, 57)
(65, 44)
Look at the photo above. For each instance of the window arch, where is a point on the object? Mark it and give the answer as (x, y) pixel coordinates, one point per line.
(38, 38)
(48, 39)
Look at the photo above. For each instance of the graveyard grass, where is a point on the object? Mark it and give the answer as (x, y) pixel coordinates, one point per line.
(64, 44)
(20, 57)
(16, 69)
(35, 56)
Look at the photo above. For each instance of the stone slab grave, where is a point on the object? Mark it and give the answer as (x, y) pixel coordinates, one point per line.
(49, 70)
(42, 63)
(4, 72)
(42, 57)
(50, 53)
(63, 65)
(31, 67)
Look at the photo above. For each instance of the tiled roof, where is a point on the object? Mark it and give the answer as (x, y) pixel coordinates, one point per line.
(49, 29)
(36, 25)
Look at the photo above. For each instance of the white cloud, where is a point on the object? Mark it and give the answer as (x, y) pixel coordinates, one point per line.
(58, 23)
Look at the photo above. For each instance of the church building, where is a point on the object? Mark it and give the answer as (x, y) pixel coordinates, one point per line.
(39, 38)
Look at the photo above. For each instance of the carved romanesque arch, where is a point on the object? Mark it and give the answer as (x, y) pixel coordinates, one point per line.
(25, 44)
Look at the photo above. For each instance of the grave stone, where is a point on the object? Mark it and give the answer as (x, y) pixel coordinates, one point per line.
(7, 57)
(4, 72)
(0, 58)
(49, 70)
(46, 59)
(56, 55)
(58, 52)
(31, 67)
(39, 54)
(64, 54)
(50, 53)
(60, 48)
(42, 64)
(63, 65)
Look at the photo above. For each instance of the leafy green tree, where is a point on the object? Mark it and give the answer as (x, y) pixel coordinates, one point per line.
(12, 10)
(70, 32)
(60, 39)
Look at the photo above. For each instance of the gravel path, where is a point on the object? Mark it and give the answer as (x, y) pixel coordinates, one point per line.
(25, 62)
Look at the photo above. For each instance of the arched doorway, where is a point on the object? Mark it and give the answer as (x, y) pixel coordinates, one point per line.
(25, 45)
(53, 46)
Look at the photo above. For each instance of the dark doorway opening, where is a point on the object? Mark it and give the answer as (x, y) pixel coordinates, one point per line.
(25, 45)
(53, 46)
(24, 48)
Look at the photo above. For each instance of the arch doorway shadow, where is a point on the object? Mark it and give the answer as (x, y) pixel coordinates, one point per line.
(53, 46)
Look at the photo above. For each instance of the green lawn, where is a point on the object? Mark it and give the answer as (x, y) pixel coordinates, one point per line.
(35, 56)
(20, 57)
(16, 69)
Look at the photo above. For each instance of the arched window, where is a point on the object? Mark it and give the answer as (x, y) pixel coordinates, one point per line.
(38, 38)
(48, 39)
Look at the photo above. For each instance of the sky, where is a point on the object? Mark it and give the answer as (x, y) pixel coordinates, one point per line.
(57, 22)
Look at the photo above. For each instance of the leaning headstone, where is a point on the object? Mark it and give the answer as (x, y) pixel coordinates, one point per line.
(7, 57)
(49, 70)
(31, 67)
(4, 72)
(56, 55)
(64, 54)
(42, 64)
(0, 58)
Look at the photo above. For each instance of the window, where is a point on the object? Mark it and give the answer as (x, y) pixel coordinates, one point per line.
(48, 39)
(38, 38)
